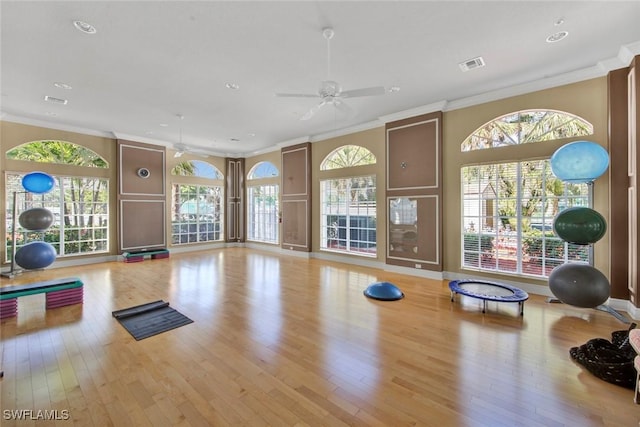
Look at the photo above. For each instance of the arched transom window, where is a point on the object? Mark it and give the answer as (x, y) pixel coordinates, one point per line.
(197, 168)
(59, 152)
(263, 170)
(348, 156)
(523, 127)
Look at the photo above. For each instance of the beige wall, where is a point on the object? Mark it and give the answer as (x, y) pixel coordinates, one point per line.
(372, 139)
(586, 99)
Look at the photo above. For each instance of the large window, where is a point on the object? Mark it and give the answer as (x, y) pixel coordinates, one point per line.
(262, 212)
(263, 203)
(80, 207)
(197, 214)
(348, 215)
(508, 211)
(348, 203)
(79, 204)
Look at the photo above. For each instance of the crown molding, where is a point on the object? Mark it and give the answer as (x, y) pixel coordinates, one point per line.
(346, 131)
(7, 117)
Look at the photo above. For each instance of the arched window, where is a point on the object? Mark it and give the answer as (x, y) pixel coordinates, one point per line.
(79, 202)
(348, 204)
(263, 170)
(508, 206)
(263, 204)
(523, 127)
(60, 152)
(348, 156)
(197, 168)
(197, 213)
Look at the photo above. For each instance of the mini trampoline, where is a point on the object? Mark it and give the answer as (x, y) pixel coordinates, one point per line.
(488, 291)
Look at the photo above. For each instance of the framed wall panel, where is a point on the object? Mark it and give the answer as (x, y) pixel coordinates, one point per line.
(142, 224)
(414, 176)
(296, 197)
(415, 240)
(294, 224)
(295, 172)
(235, 215)
(413, 156)
(133, 162)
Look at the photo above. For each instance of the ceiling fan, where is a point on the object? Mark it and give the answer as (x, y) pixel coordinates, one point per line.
(182, 148)
(330, 92)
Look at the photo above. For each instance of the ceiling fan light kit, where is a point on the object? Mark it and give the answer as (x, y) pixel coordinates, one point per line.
(330, 92)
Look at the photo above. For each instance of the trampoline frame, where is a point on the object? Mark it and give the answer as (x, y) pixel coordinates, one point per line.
(518, 295)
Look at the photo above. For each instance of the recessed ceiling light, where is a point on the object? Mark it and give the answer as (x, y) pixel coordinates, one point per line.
(85, 27)
(557, 36)
(394, 89)
(55, 100)
(61, 85)
(251, 134)
(164, 125)
(232, 86)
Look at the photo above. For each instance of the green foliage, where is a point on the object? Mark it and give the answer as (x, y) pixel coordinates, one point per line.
(534, 241)
(187, 168)
(527, 126)
(348, 156)
(60, 152)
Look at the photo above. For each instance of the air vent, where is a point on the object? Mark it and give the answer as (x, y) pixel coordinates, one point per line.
(471, 64)
(55, 100)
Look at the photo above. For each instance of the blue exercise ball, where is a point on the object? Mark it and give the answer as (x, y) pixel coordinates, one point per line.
(579, 161)
(580, 225)
(579, 284)
(38, 182)
(36, 219)
(383, 291)
(35, 255)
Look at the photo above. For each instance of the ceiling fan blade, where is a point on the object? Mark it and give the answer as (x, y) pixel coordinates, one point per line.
(312, 112)
(367, 91)
(342, 107)
(297, 95)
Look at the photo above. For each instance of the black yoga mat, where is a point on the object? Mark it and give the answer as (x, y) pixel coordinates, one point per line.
(146, 320)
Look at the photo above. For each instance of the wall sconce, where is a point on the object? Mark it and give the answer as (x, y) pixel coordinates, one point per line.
(403, 165)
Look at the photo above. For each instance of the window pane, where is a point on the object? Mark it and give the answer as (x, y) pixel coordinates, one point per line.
(508, 211)
(80, 207)
(348, 215)
(348, 156)
(262, 213)
(524, 127)
(196, 214)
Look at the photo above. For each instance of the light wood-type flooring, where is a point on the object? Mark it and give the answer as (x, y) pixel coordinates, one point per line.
(281, 340)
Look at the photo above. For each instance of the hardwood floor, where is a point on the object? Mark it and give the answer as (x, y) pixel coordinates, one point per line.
(280, 340)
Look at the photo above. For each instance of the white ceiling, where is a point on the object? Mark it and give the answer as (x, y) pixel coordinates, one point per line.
(151, 61)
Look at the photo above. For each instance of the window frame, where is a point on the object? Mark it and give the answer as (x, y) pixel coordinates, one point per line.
(57, 206)
(487, 256)
(325, 228)
(197, 220)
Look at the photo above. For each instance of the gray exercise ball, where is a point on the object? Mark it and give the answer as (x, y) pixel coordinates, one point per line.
(36, 219)
(579, 284)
